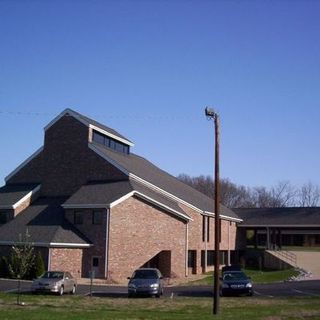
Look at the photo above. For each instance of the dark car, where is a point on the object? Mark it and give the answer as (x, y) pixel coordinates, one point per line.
(146, 281)
(235, 283)
(56, 282)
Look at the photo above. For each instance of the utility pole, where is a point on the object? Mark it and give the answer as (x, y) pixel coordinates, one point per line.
(213, 115)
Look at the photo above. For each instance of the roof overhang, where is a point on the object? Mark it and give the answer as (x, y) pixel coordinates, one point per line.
(23, 199)
(125, 197)
(211, 214)
(48, 244)
(280, 226)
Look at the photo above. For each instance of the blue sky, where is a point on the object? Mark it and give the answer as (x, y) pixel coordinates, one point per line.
(149, 68)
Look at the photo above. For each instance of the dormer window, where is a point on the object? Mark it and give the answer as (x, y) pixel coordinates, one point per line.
(110, 142)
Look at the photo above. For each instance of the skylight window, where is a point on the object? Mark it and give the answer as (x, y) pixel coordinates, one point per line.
(110, 142)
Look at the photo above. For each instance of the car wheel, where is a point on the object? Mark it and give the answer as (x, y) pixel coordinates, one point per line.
(130, 295)
(73, 291)
(220, 293)
(61, 291)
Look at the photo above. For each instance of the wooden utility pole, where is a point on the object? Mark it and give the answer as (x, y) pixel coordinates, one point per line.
(213, 115)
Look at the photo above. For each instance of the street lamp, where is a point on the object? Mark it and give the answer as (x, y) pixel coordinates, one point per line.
(210, 114)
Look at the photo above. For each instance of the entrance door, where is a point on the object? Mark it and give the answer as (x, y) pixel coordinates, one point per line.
(192, 261)
(95, 266)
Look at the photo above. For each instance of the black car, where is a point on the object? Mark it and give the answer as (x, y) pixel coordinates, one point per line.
(235, 283)
(146, 281)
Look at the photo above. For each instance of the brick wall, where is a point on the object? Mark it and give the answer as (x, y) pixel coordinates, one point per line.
(63, 259)
(66, 162)
(96, 233)
(138, 232)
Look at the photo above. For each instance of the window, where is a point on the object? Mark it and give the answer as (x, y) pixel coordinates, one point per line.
(3, 217)
(97, 217)
(192, 257)
(203, 228)
(95, 262)
(78, 217)
(110, 142)
(210, 258)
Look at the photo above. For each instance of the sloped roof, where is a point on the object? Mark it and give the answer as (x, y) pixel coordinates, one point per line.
(294, 216)
(44, 220)
(144, 169)
(88, 121)
(105, 194)
(11, 194)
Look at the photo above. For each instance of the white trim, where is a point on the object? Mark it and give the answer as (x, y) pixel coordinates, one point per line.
(210, 214)
(102, 155)
(169, 195)
(123, 198)
(87, 124)
(50, 244)
(163, 206)
(280, 226)
(109, 134)
(10, 175)
(27, 196)
(85, 206)
(152, 186)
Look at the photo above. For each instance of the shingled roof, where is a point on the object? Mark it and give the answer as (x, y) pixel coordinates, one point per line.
(266, 217)
(88, 121)
(10, 195)
(140, 167)
(106, 194)
(45, 223)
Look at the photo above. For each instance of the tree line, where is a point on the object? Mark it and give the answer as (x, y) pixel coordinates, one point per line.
(232, 195)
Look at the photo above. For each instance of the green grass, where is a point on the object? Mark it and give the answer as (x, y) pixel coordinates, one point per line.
(178, 308)
(264, 276)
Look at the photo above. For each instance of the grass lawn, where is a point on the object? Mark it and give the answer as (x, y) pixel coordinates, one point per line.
(77, 307)
(264, 276)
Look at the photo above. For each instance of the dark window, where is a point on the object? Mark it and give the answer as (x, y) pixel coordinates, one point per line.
(97, 217)
(317, 239)
(98, 137)
(3, 217)
(210, 257)
(95, 262)
(203, 228)
(78, 217)
(192, 254)
(110, 142)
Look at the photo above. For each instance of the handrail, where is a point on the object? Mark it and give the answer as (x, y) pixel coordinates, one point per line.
(288, 255)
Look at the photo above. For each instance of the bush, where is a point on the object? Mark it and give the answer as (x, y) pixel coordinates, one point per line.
(38, 267)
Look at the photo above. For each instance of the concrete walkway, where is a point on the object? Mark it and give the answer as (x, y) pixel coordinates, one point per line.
(310, 262)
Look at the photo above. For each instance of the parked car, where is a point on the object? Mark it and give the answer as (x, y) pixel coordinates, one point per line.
(145, 281)
(235, 282)
(56, 282)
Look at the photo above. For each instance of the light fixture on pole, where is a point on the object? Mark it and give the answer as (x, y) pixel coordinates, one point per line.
(211, 114)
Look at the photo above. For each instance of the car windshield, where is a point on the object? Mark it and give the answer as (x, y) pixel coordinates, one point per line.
(52, 275)
(145, 274)
(234, 276)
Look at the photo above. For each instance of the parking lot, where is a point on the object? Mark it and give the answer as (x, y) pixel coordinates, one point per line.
(282, 289)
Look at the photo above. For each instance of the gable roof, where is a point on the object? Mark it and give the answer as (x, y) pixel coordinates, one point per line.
(90, 123)
(138, 168)
(12, 195)
(45, 223)
(109, 194)
(286, 217)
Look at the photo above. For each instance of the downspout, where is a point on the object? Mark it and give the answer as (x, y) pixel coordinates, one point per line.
(186, 249)
(229, 242)
(206, 220)
(106, 254)
(49, 259)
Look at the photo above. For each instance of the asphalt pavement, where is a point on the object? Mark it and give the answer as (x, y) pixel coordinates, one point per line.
(309, 288)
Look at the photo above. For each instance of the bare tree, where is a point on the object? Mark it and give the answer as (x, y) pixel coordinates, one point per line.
(309, 195)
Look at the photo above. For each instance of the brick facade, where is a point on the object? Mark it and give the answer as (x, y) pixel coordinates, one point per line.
(66, 163)
(138, 232)
(66, 260)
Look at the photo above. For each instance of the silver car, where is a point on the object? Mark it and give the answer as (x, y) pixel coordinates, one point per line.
(56, 282)
(146, 281)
